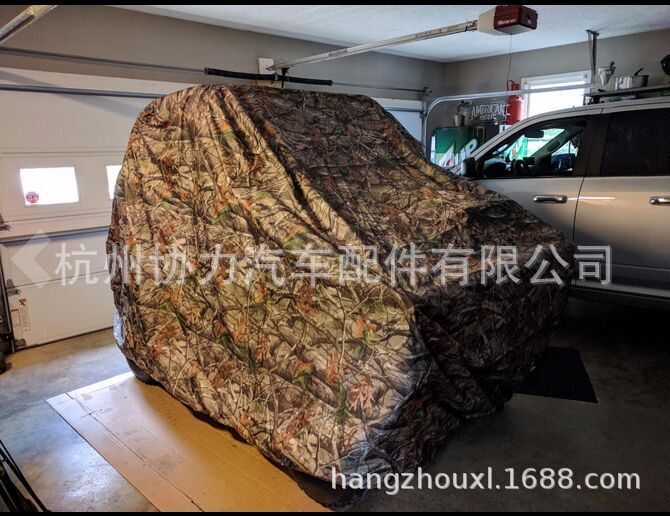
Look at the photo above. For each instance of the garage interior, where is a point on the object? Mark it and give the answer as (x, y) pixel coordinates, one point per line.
(72, 84)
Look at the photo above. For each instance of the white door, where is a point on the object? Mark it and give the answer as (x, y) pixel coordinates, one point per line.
(58, 155)
(541, 166)
(626, 204)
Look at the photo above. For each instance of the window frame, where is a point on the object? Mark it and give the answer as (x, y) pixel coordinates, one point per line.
(111, 186)
(92, 210)
(52, 205)
(583, 158)
(543, 80)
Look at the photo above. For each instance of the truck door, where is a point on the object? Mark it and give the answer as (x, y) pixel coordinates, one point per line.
(542, 167)
(625, 199)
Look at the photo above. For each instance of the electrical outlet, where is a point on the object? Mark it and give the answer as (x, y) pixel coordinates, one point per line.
(263, 63)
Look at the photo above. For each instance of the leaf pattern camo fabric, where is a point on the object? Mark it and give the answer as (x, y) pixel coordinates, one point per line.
(360, 377)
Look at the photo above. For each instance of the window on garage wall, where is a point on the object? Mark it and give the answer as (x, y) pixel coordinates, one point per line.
(538, 103)
(411, 120)
(407, 112)
(52, 185)
(112, 175)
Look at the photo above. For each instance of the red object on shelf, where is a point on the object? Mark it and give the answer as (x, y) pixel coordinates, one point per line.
(514, 105)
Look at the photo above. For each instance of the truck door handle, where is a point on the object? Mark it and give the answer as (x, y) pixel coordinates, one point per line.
(551, 199)
(660, 200)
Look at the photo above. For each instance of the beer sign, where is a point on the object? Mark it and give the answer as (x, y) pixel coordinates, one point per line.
(490, 113)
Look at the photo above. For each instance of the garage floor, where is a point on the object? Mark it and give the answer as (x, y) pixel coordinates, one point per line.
(626, 353)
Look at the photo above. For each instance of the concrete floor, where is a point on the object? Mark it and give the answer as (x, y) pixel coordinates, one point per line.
(626, 353)
(66, 473)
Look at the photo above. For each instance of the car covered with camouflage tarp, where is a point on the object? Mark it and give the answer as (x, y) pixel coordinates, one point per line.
(289, 264)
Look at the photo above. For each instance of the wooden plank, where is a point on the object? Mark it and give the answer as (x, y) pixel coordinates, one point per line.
(136, 427)
(152, 486)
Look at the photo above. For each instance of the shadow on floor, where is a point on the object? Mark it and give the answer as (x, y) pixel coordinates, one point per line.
(625, 352)
(627, 355)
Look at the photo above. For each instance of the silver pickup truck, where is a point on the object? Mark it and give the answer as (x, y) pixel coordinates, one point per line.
(601, 174)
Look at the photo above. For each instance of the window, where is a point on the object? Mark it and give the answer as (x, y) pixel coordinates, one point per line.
(54, 185)
(112, 175)
(410, 120)
(538, 103)
(545, 149)
(638, 144)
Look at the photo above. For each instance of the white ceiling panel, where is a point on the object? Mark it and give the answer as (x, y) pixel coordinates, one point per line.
(346, 25)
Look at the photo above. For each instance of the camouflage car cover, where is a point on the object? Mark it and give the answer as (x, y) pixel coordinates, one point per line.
(356, 376)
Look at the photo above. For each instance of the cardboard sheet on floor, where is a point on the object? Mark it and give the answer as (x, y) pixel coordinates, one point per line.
(177, 461)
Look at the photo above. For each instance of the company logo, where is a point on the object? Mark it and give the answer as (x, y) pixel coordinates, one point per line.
(489, 111)
(502, 23)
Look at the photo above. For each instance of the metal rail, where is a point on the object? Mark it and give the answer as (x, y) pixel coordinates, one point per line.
(23, 19)
(267, 77)
(491, 94)
(78, 91)
(96, 60)
(165, 68)
(360, 49)
(103, 93)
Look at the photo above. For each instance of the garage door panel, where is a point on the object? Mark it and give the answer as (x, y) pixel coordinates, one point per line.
(74, 121)
(48, 258)
(27, 218)
(54, 131)
(53, 311)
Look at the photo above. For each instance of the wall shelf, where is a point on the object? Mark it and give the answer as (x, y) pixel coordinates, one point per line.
(630, 92)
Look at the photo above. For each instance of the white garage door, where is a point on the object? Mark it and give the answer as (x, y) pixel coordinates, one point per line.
(407, 112)
(411, 120)
(59, 155)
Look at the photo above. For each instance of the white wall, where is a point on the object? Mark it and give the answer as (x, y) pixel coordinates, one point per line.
(629, 53)
(490, 73)
(112, 33)
(107, 32)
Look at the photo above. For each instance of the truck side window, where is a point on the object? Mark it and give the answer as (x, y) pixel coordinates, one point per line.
(546, 149)
(638, 144)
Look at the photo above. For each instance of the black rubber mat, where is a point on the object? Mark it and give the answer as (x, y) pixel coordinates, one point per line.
(560, 373)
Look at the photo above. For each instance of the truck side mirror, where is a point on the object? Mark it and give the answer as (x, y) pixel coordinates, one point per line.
(468, 168)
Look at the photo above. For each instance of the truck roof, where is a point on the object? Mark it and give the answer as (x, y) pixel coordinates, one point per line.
(606, 105)
(590, 108)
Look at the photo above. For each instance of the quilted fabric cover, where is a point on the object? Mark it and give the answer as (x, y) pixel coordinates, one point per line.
(360, 377)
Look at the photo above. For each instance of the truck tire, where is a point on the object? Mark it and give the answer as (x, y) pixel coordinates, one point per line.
(139, 374)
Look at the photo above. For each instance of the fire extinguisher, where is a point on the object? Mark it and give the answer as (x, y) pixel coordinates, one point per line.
(514, 105)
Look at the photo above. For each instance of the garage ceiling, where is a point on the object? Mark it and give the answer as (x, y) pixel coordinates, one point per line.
(346, 25)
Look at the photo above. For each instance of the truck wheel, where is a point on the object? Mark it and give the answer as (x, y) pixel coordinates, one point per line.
(139, 374)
